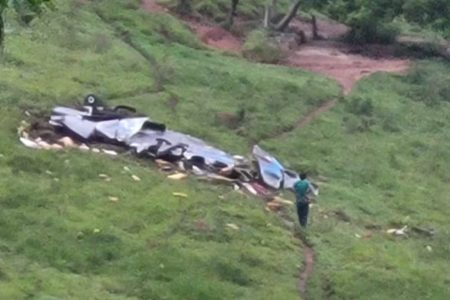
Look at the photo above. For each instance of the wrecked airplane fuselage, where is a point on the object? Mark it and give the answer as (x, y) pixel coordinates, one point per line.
(143, 136)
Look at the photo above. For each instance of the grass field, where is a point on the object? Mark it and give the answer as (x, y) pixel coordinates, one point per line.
(384, 151)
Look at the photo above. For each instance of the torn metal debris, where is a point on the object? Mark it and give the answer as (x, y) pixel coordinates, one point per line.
(174, 152)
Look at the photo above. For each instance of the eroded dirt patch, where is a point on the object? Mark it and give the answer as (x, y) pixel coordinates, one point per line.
(211, 35)
(330, 58)
(216, 37)
(337, 61)
(153, 6)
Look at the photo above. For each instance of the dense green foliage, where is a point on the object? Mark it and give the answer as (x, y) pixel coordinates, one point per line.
(371, 21)
(260, 48)
(25, 9)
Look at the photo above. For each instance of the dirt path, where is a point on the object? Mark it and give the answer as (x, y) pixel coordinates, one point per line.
(314, 114)
(306, 271)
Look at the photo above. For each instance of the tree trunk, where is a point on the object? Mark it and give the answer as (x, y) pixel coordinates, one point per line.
(230, 21)
(2, 33)
(315, 30)
(289, 16)
(184, 7)
(273, 11)
(267, 16)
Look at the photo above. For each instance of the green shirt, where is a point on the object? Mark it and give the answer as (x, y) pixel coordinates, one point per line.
(301, 188)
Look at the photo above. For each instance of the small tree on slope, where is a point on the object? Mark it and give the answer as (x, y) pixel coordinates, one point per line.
(26, 9)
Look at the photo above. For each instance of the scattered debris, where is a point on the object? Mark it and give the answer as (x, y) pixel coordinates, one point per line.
(428, 247)
(177, 176)
(96, 230)
(109, 152)
(398, 232)
(113, 199)
(135, 178)
(181, 195)
(233, 226)
(282, 201)
(29, 143)
(67, 142)
(274, 206)
(84, 147)
(249, 188)
(105, 177)
(173, 152)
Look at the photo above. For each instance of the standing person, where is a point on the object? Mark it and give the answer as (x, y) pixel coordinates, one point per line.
(301, 189)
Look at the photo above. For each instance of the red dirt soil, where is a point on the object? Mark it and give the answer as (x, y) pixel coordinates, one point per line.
(211, 35)
(334, 60)
(329, 58)
(216, 37)
(153, 6)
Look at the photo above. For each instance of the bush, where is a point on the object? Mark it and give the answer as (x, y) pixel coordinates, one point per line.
(372, 32)
(360, 106)
(260, 48)
(428, 86)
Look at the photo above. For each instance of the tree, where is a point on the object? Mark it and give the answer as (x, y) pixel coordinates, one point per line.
(233, 13)
(289, 16)
(27, 10)
(184, 7)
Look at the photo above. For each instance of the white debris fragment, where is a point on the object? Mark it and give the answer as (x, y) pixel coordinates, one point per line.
(250, 188)
(233, 226)
(126, 169)
(29, 143)
(135, 178)
(67, 142)
(95, 150)
(181, 195)
(83, 147)
(109, 152)
(197, 171)
(177, 176)
(428, 247)
(113, 199)
(56, 147)
(399, 232)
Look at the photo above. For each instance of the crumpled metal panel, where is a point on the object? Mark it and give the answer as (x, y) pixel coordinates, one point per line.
(271, 171)
(135, 132)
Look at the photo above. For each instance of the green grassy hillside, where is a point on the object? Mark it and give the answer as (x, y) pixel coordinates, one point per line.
(384, 151)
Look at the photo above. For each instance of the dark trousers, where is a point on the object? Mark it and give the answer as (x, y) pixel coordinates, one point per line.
(302, 211)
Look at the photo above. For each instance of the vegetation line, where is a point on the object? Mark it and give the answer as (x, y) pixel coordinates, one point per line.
(125, 37)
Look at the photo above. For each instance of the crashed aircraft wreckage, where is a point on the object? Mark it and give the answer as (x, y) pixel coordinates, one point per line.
(122, 126)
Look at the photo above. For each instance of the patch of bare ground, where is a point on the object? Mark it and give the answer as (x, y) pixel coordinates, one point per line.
(340, 62)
